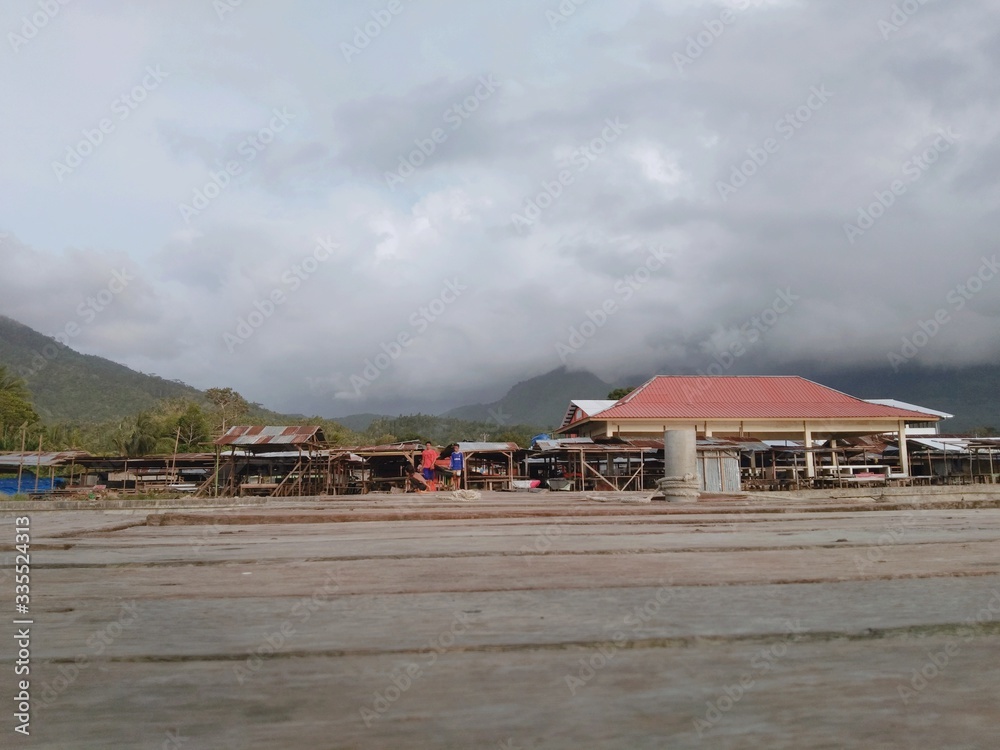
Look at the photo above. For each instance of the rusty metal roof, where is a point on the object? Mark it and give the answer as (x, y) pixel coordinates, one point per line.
(780, 397)
(51, 458)
(407, 447)
(271, 437)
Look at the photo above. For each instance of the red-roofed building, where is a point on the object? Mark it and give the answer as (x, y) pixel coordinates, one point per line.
(764, 408)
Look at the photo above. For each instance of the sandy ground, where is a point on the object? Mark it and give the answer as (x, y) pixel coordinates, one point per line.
(549, 620)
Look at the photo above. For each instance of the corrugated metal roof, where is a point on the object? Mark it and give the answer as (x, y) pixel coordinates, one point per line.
(587, 408)
(948, 445)
(51, 458)
(315, 454)
(549, 445)
(271, 436)
(909, 407)
(487, 447)
(781, 397)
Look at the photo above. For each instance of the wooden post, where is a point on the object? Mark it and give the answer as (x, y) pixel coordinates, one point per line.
(38, 464)
(20, 465)
(173, 467)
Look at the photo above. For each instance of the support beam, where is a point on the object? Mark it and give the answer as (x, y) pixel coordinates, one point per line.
(904, 453)
(807, 438)
(680, 466)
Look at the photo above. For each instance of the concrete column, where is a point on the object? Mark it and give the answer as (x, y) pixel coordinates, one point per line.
(904, 453)
(680, 466)
(810, 456)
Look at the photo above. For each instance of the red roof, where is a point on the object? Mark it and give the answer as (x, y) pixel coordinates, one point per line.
(782, 397)
(258, 435)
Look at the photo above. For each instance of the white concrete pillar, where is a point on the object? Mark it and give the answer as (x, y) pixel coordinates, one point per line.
(810, 456)
(680, 466)
(904, 453)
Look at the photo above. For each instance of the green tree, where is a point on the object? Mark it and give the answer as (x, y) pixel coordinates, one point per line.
(138, 436)
(193, 429)
(13, 385)
(16, 413)
(230, 403)
(619, 393)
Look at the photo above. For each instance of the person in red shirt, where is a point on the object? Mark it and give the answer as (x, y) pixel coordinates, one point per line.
(427, 459)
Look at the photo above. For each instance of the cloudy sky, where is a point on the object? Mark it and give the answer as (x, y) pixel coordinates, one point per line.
(338, 207)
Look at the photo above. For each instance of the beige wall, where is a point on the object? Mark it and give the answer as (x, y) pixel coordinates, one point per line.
(760, 429)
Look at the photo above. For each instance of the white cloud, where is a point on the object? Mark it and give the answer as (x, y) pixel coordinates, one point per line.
(323, 175)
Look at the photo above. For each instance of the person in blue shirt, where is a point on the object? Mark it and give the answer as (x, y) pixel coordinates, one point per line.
(456, 464)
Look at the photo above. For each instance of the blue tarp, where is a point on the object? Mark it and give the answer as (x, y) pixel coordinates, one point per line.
(9, 486)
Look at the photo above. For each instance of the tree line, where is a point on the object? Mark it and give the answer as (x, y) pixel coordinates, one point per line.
(189, 425)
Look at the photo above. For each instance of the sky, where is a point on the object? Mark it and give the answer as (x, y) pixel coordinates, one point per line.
(402, 205)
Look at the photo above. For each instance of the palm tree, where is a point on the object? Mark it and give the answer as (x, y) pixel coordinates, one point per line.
(14, 385)
(137, 437)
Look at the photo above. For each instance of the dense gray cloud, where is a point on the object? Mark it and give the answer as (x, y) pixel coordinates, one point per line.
(337, 208)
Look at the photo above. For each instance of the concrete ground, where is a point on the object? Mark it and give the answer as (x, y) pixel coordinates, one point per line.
(528, 620)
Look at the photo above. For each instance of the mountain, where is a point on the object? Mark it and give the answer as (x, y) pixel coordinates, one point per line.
(540, 401)
(359, 422)
(70, 386)
(972, 394)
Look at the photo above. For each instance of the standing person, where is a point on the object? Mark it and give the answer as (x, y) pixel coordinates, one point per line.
(427, 459)
(456, 464)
